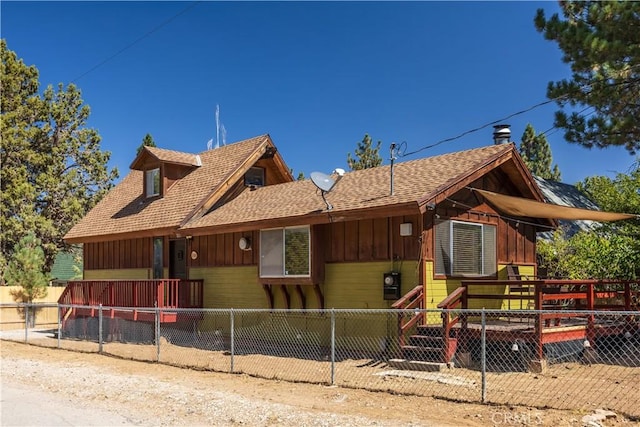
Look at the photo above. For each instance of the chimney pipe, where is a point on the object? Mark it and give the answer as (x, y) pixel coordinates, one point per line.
(501, 134)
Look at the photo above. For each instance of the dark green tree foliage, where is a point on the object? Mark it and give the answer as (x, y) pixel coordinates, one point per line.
(367, 156)
(52, 169)
(601, 41)
(146, 141)
(26, 269)
(536, 153)
(612, 250)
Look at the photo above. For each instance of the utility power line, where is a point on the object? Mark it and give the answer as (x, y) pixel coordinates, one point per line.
(136, 41)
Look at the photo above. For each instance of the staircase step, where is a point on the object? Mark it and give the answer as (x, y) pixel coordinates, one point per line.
(418, 365)
(426, 341)
(423, 354)
(430, 330)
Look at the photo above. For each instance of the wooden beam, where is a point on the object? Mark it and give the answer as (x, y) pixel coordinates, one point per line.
(287, 297)
(226, 184)
(318, 291)
(267, 290)
(157, 232)
(303, 299)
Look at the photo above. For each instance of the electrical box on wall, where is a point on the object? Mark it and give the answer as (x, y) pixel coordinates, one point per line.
(391, 285)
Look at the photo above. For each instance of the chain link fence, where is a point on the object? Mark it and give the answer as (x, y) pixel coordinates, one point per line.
(580, 360)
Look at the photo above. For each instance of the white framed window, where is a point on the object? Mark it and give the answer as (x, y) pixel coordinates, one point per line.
(285, 252)
(152, 183)
(465, 249)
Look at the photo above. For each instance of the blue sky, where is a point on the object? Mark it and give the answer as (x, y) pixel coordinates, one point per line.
(315, 76)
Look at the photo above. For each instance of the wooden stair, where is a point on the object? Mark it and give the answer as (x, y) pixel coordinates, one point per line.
(427, 350)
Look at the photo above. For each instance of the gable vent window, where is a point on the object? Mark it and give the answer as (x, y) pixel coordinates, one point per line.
(465, 249)
(152, 183)
(254, 177)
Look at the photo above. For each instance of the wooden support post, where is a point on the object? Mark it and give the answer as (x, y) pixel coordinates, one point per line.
(539, 324)
(303, 299)
(287, 297)
(267, 290)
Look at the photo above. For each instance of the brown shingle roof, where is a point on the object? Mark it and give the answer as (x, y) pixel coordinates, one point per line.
(125, 210)
(165, 156)
(369, 188)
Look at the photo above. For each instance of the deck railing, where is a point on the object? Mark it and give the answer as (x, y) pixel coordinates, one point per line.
(558, 300)
(161, 293)
(414, 299)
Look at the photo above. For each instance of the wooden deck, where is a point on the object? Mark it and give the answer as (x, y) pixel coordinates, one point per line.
(132, 299)
(553, 311)
(564, 310)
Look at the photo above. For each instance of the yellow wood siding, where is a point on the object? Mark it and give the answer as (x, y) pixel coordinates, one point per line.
(438, 289)
(359, 285)
(231, 287)
(128, 273)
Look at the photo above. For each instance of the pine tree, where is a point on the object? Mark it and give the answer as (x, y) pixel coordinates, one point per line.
(601, 42)
(367, 155)
(52, 168)
(146, 141)
(26, 270)
(536, 153)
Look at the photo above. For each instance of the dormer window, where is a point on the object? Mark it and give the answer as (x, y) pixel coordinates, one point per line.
(152, 182)
(254, 177)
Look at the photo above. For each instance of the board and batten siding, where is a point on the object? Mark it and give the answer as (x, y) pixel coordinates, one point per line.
(119, 274)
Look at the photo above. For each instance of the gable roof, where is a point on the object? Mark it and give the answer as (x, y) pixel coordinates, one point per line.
(563, 194)
(164, 156)
(126, 212)
(416, 182)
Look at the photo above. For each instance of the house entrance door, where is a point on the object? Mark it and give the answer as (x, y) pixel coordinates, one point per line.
(178, 259)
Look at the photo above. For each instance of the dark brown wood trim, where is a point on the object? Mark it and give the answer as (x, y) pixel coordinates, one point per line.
(300, 281)
(226, 183)
(318, 291)
(267, 290)
(303, 299)
(324, 217)
(287, 297)
(159, 232)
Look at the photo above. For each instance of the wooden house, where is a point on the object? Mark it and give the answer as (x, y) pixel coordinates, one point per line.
(233, 216)
(230, 228)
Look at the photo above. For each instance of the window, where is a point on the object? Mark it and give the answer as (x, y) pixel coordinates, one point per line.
(158, 265)
(465, 249)
(152, 182)
(285, 252)
(254, 177)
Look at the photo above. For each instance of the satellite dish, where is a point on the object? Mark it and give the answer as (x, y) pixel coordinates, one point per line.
(325, 183)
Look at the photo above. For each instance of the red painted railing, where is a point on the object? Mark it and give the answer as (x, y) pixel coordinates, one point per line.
(557, 299)
(412, 300)
(163, 293)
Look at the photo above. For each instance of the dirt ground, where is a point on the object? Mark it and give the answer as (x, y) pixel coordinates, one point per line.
(157, 394)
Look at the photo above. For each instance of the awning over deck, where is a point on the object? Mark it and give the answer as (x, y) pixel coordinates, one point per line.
(522, 207)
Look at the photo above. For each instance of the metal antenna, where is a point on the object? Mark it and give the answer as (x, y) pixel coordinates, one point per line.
(392, 149)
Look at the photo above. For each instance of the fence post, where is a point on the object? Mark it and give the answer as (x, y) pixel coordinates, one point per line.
(26, 322)
(232, 344)
(156, 324)
(483, 355)
(100, 329)
(59, 324)
(333, 345)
